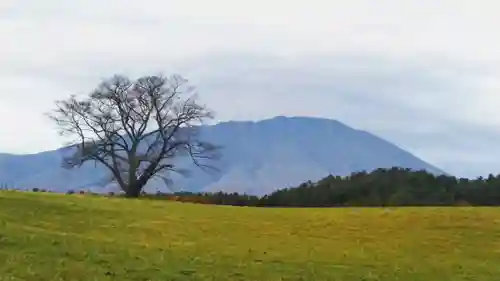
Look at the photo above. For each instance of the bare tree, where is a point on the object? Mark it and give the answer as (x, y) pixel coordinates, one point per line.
(135, 129)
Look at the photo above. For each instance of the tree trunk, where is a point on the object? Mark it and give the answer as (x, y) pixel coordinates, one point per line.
(133, 191)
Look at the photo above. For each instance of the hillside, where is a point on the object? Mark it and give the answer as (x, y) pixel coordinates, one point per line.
(258, 158)
(71, 237)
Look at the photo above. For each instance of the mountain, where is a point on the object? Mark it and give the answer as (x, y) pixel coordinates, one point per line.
(257, 158)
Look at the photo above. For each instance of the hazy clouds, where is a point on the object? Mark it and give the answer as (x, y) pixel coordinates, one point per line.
(422, 74)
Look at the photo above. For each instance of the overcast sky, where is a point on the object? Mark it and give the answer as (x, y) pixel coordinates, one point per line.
(424, 75)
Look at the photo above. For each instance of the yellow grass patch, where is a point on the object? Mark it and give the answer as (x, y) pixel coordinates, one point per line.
(66, 237)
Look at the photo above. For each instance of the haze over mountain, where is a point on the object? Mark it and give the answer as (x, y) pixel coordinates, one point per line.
(257, 158)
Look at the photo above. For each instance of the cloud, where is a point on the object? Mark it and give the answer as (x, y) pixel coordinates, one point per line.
(433, 109)
(419, 73)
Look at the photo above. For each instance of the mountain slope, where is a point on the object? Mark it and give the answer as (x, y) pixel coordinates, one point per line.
(258, 158)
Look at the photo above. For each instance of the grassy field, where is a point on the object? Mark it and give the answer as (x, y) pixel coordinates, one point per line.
(74, 237)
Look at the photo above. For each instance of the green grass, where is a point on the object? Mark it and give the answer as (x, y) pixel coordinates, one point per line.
(73, 237)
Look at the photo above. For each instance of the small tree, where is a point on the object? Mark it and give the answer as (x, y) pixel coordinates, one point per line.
(135, 129)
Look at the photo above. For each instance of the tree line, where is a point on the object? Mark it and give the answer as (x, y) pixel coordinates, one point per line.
(382, 187)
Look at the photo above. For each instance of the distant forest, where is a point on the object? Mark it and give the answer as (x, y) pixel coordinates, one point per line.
(382, 187)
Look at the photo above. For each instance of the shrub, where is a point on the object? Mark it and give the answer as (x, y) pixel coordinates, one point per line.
(462, 203)
(35, 189)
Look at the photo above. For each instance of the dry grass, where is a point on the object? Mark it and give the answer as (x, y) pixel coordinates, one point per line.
(76, 237)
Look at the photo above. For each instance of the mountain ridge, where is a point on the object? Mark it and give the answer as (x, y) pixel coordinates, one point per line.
(258, 157)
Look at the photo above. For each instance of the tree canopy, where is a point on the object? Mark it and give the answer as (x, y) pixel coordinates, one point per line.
(136, 128)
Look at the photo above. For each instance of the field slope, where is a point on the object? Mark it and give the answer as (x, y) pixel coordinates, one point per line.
(73, 237)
